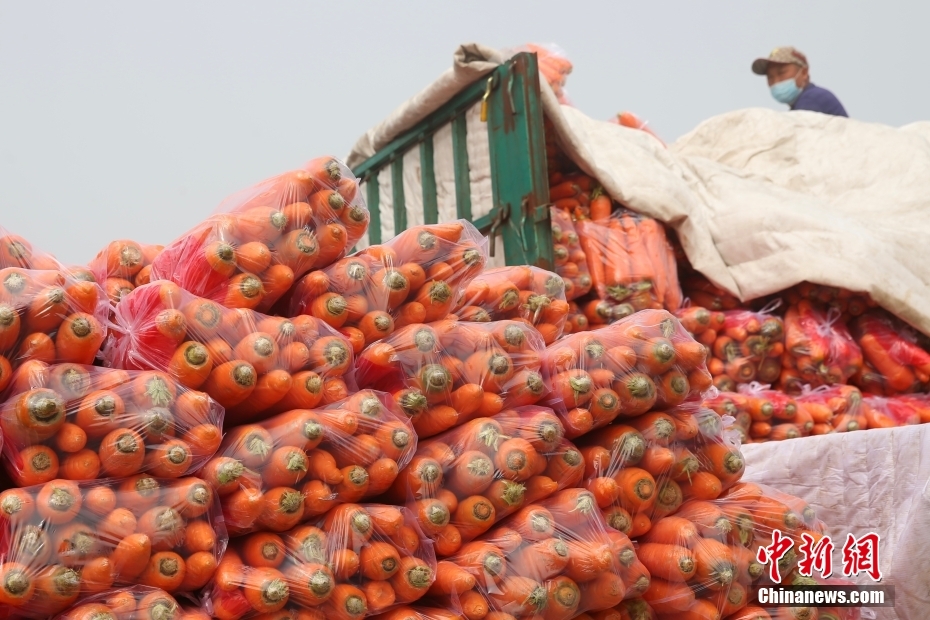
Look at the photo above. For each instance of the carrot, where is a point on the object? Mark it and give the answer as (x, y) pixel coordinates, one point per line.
(244, 291)
(637, 489)
(199, 570)
(56, 588)
(17, 586)
(667, 597)
(192, 497)
(725, 462)
(345, 564)
(242, 508)
(200, 536)
(282, 509)
(122, 453)
(670, 562)
(715, 564)
(310, 583)
(39, 464)
(139, 493)
(354, 485)
(231, 383)
(548, 558)
(539, 488)
(701, 485)
(131, 556)
(519, 596)
(473, 516)
(347, 603)
(266, 590)
(330, 356)
(35, 415)
(165, 570)
(516, 459)
(474, 605)
(36, 346)
(16, 504)
(81, 465)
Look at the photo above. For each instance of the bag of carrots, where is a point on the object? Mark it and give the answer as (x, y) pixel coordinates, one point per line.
(832, 408)
(283, 470)
(748, 346)
(85, 422)
(123, 265)
(17, 251)
(250, 363)
(462, 482)
(570, 260)
(554, 558)
(892, 351)
(261, 240)
(130, 603)
(768, 415)
(703, 558)
(63, 539)
(523, 293)
(448, 372)
(819, 349)
(641, 471)
(49, 316)
(414, 278)
(630, 259)
(646, 361)
(892, 411)
(356, 560)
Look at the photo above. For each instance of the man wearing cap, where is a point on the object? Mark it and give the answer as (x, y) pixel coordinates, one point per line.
(790, 82)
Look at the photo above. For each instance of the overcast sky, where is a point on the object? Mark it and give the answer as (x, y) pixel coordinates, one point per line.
(135, 119)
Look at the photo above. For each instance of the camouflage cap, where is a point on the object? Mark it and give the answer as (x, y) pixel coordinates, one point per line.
(784, 55)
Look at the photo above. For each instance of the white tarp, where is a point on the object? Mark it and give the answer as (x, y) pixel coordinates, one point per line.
(874, 481)
(761, 200)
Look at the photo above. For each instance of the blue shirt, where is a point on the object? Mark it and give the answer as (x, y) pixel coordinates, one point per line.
(816, 99)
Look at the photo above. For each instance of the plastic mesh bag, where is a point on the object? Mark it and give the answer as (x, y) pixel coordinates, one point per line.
(631, 261)
(248, 362)
(464, 481)
(448, 372)
(357, 560)
(283, 470)
(570, 260)
(523, 293)
(892, 351)
(414, 278)
(642, 470)
(49, 316)
(554, 558)
(819, 349)
(84, 422)
(260, 240)
(64, 538)
(705, 558)
(748, 347)
(642, 362)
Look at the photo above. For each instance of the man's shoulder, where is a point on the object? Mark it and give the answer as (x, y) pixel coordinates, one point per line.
(819, 99)
(818, 92)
